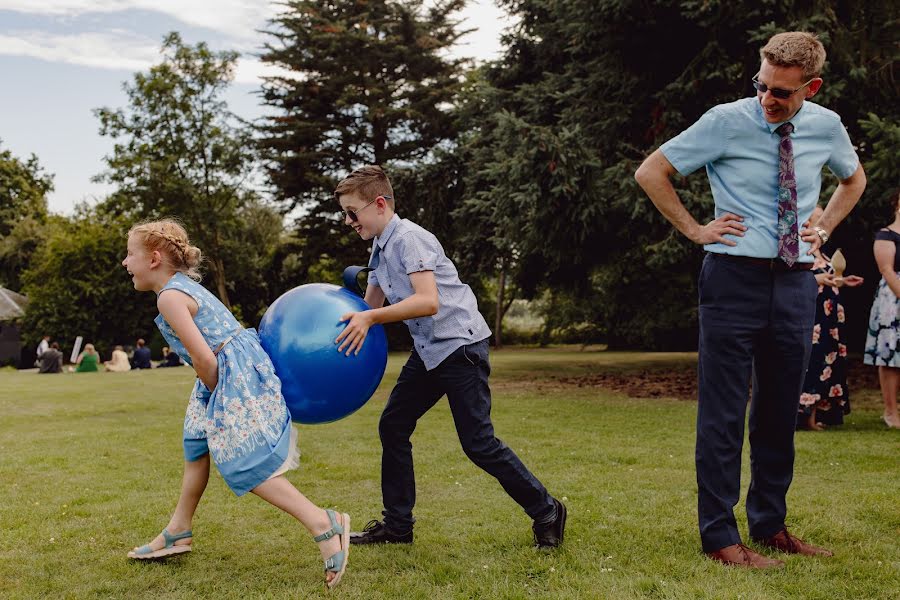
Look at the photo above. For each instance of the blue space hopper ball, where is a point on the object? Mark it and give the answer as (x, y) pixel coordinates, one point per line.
(319, 383)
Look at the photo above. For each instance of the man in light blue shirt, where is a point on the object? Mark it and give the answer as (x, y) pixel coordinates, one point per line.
(764, 158)
(449, 357)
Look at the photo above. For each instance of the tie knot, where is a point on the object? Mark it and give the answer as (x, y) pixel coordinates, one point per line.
(785, 129)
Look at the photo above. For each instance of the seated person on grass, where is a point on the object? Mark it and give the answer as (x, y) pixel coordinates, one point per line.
(119, 362)
(141, 358)
(88, 360)
(51, 360)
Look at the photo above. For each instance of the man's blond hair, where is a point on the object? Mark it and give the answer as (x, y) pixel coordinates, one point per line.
(796, 49)
(368, 182)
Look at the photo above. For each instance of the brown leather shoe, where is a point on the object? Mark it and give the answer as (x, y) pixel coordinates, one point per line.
(739, 555)
(790, 544)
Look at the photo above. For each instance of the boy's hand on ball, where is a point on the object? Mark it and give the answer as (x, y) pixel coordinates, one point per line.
(354, 333)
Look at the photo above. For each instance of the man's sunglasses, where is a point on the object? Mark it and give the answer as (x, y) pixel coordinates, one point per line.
(354, 214)
(777, 92)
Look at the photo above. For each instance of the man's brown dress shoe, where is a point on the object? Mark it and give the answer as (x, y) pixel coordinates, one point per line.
(740, 555)
(786, 542)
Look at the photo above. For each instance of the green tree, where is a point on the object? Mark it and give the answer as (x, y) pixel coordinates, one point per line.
(76, 284)
(587, 88)
(179, 151)
(250, 249)
(370, 82)
(23, 214)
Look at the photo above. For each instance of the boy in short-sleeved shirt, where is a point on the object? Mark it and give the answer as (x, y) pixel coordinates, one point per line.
(450, 357)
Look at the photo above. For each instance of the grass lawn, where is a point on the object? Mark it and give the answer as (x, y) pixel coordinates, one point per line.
(91, 466)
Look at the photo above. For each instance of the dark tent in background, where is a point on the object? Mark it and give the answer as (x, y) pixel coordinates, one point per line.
(12, 309)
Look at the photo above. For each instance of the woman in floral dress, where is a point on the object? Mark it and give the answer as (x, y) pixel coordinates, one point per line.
(884, 319)
(825, 398)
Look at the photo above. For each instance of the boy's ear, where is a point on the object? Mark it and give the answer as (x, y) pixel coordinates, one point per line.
(382, 203)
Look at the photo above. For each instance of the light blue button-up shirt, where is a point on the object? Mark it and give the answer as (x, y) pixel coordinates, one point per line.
(404, 248)
(740, 151)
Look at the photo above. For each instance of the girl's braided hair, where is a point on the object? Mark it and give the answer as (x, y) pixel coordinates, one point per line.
(171, 240)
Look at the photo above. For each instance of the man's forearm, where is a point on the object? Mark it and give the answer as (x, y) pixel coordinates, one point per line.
(843, 200)
(661, 192)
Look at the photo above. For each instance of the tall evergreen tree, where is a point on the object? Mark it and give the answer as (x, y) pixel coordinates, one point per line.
(587, 88)
(370, 82)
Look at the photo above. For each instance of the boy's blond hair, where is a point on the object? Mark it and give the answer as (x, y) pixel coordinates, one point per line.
(796, 49)
(368, 182)
(171, 240)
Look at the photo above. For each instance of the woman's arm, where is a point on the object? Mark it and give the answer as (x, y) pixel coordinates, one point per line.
(178, 309)
(826, 279)
(884, 257)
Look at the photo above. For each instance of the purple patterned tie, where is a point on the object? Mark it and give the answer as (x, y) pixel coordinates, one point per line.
(788, 240)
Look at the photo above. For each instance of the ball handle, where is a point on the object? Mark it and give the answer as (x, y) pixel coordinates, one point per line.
(351, 279)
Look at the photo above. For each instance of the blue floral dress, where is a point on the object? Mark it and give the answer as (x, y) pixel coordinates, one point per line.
(243, 423)
(884, 319)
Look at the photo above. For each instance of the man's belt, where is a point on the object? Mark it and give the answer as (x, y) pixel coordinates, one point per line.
(772, 264)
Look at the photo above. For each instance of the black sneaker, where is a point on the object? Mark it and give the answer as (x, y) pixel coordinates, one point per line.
(549, 535)
(375, 532)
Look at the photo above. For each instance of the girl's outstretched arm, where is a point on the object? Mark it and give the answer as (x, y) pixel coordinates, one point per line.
(178, 309)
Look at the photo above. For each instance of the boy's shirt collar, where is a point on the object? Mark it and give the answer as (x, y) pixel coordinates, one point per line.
(382, 240)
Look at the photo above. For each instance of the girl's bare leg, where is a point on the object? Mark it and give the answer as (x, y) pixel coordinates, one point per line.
(193, 484)
(280, 492)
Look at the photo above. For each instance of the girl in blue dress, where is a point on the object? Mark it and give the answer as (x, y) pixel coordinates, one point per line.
(236, 413)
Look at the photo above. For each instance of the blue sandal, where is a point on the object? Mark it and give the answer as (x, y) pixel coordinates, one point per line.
(146, 552)
(337, 562)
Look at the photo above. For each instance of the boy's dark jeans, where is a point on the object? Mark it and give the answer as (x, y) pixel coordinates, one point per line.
(463, 377)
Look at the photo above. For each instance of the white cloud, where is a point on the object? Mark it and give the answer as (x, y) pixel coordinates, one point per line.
(237, 18)
(116, 50)
(112, 50)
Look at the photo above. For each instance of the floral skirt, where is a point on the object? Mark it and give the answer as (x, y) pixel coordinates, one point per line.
(825, 386)
(884, 327)
(243, 423)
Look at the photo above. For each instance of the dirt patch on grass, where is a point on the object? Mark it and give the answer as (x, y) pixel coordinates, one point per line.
(657, 382)
(677, 382)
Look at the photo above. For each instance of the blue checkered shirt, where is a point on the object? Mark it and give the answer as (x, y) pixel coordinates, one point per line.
(404, 248)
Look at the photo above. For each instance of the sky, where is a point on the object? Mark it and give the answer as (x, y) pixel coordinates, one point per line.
(61, 59)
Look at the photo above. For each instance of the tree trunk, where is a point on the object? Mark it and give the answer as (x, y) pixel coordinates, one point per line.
(498, 319)
(218, 272)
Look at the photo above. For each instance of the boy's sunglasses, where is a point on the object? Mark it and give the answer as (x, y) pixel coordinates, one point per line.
(777, 92)
(353, 214)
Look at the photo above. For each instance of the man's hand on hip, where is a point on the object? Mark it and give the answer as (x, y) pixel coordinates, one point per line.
(716, 230)
(811, 237)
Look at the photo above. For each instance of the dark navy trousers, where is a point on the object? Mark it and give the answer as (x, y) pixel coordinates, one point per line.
(756, 324)
(463, 377)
